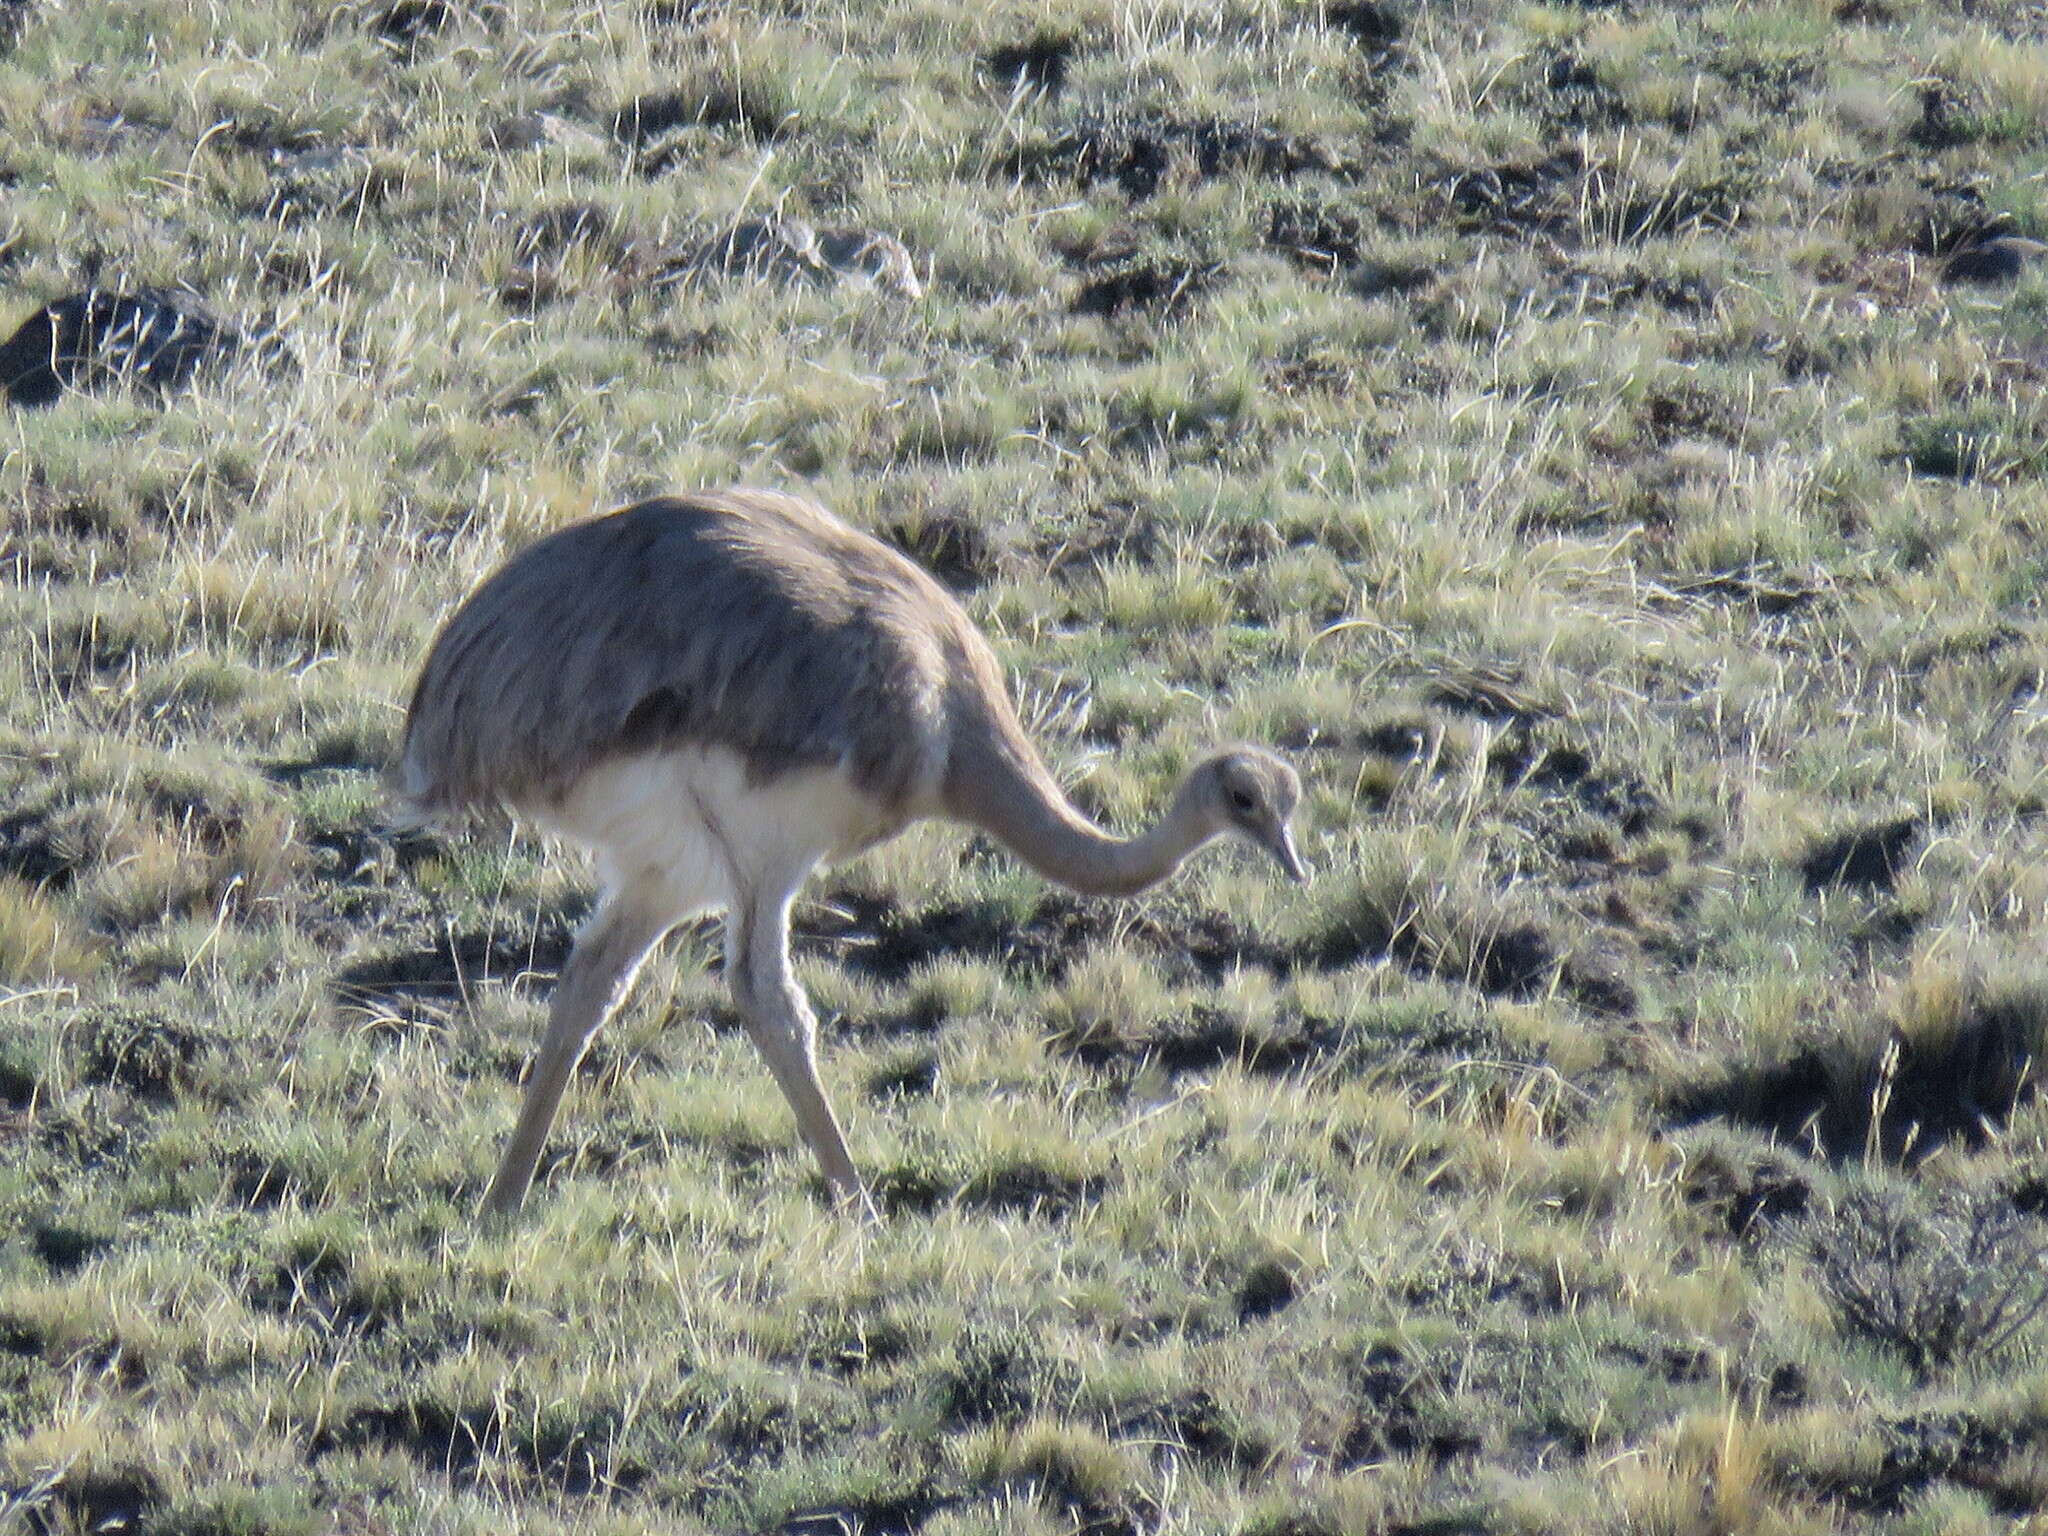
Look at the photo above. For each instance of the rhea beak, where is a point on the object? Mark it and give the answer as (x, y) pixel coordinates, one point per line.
(1282, 848)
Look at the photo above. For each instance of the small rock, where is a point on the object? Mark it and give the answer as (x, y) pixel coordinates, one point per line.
(869, 253)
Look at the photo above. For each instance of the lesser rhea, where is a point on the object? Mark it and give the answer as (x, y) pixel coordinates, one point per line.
(717, 692)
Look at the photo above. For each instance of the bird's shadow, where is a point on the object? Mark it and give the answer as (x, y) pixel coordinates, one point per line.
(450, 970)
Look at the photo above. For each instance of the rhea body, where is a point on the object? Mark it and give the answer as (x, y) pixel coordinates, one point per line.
(717, 693)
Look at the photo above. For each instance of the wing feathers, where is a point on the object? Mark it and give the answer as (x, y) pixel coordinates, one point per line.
(750, 621)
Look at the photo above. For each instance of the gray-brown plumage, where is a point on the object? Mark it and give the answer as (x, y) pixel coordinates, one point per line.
(718, 692)
(745, 621)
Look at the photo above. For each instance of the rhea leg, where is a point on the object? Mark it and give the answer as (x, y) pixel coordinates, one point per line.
(600, 968)
(779, 1019)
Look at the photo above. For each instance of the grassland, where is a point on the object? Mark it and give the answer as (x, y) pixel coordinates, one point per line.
(1550, 424)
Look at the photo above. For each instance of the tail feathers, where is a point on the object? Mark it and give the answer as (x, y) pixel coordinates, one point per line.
(414, 800)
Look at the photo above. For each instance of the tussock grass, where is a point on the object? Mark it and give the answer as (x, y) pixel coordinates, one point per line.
(1555, 426)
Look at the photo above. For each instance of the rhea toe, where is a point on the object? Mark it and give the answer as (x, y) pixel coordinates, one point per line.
(717, 693)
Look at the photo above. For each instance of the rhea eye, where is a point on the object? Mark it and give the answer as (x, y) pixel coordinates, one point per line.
(1242, 800)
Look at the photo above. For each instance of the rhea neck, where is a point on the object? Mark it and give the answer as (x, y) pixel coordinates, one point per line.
(996, 781)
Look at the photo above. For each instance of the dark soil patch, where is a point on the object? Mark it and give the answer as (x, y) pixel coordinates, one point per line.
(1869, 857)
(1315, 234)
(960, 553)
(19, 1336)
(64, 1248)
(1167, 285)
(1771, 1194)
(1933, 1091)
(1750, 1197)
(1212, 944)
(1400, 1412)
(2029, 1194)
(406, 24)
(1772, 593)
(1677, 210)
(1921, 1450)
(1517, 197)
(1787, 1386)
(1104, 532)
(1037, 65)
(145, 1053)
(18, 1085)
(1778, 86)
(1516, 961)
(262, 1183)
(449, 970)
(1268, 1287)
(1612, 795)
(1993, 260)
(1688, 295)
(1206, 1430)
(1030, 1187)
(1948, 119)
(1674, 414)
(641, 121)
(1022, 1187)
(601, 1150)
(874, 937)
(315, 1287)
(565, 225)
(1000, 1376)
(153, 337)
(1497, 952)
(1384, 279)
(1208, 1041)
(907, 1077)
(1599, 983)
(879, 939)
(1204, 1042)
(1138, 154)
(34, 849)
(117, 1499)
(899, 1513)
(1575, 97)
(571, 1451)
(1374, 27)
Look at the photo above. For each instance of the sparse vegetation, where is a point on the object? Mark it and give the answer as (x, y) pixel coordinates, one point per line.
(1965, 1276)
(1602, 443)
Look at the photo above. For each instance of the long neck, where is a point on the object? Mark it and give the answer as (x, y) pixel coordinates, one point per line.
(996, 781)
